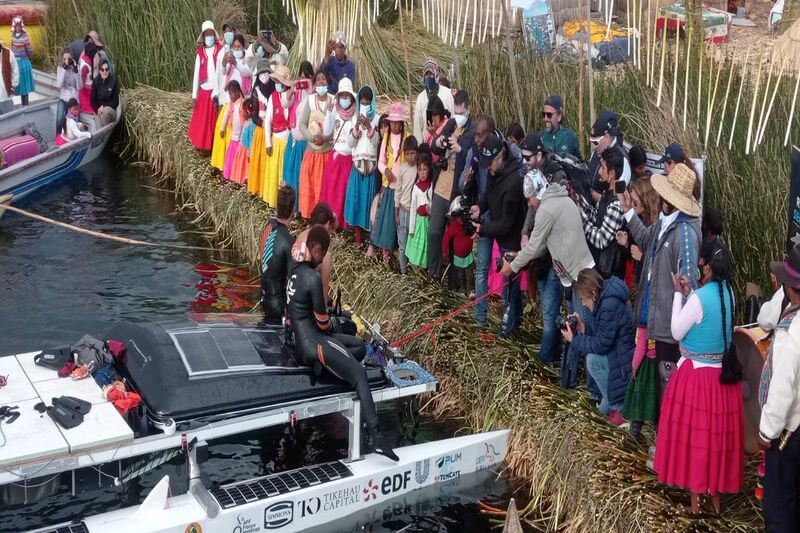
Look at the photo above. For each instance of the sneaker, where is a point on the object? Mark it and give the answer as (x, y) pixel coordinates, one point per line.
(616, 419)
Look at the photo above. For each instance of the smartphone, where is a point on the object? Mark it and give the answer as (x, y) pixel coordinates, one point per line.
(301, 85)
(620, 186)
(266, 34)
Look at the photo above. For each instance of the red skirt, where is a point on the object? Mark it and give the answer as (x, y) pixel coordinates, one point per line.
(700, 444)
(334, 184)
(204, 118)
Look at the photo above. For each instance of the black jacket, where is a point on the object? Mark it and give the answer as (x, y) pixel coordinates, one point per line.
(105, 92)
(506, 206)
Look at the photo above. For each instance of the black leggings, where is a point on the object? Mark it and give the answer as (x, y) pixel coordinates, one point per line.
(342, 355)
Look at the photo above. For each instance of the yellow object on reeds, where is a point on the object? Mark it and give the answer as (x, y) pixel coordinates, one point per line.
(35, 34)
(597, 30)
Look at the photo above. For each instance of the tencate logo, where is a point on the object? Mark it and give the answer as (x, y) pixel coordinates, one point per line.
(278, 515)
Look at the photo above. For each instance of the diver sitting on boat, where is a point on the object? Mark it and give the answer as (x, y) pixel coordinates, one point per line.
(315, 342)
(276, 249)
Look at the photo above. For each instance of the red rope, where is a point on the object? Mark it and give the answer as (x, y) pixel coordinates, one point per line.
(428, 327)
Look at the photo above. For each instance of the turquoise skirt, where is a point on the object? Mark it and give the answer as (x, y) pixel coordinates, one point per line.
(26, 83)
(385, 234)
(292, 159)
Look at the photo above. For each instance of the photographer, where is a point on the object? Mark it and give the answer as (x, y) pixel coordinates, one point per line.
(336, 64)
(266, 51)
(507, 207)
(69, 83)
(606, 337)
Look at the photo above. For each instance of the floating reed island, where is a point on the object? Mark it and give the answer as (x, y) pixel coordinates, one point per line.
(581, 473)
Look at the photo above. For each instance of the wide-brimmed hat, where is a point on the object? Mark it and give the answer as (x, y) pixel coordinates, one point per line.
(396, 113)
(677, 189)
(95, 37)
(207, 25)
(346, 86)
(281, 74)
(788, 272)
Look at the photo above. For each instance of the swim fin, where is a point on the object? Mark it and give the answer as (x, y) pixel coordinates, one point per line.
(66, 418)
(72, 403)
(382, 447)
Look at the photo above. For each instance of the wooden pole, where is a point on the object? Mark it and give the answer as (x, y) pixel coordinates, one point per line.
(675, 71)
(686, 77)
(408, 68)
(791, 113)
(581, 69)
(725, 101)
(700, 85)
(738, 99)
(764, 102)
(589, 69)
(710, 110)
(771, 102)
(258, 16)
(488, 67)
(661, 67)
(512, 62)
(755, 101)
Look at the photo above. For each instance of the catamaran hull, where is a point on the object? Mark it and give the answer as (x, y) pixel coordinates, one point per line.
(364, 484)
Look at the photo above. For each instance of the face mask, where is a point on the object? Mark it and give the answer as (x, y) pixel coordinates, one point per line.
(209, 40)
(263, 78)
(279, 87)
(321, 91)
(430, 84)
(363, 110)
(238, 54)
(461, 120)
(228, 36)
(345, 103)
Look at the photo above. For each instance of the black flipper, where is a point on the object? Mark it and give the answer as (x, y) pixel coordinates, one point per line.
(66, 418)
(382, 447)
(72, 403)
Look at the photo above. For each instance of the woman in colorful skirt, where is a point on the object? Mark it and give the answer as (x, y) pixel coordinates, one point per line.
(318, 150)
(204, 115)
(263, 86)
(391, 156)
(296, 147)
(233, 120)
(340, 120)
(231, 67)
(417, 246)
(276, 132)
(700, 443)
(362, 185)
(21, 46)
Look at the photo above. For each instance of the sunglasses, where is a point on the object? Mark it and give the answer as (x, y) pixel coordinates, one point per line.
(527, 157)
(547, 114)
(103, 70)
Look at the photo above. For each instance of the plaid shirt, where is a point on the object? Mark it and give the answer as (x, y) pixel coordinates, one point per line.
(613, 219)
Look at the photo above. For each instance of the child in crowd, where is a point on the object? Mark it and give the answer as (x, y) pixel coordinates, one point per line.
(241, 161)
(231, 67)
(340, 120)
(417, 249)
(318, 151)
(456, 240)
(73, 128)
(276, 132)
(391, 157)
(23, 52)
(235, 118)
(296, 147)
(263, 87)
(362, 185)
(406, 174)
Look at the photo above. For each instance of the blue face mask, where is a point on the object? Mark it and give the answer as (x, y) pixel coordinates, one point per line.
(228, 36)
(345, 103)
(430, 84)
(279, 87)
(321, 91)
(238, 54)
(209, 40)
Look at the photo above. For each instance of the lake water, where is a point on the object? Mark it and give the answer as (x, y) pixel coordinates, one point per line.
(58, 285)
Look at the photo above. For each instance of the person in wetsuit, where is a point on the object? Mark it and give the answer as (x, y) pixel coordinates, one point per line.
(314, 340)
(276, 250)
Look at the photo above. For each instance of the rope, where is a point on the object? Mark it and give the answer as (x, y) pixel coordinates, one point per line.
(427, 327)
(100, 235)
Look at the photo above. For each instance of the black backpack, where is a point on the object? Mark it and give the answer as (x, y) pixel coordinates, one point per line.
(577, 174)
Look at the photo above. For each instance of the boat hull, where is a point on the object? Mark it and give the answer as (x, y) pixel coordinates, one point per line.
(373, 482)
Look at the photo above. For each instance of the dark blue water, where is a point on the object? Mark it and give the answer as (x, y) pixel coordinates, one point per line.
(56, 285)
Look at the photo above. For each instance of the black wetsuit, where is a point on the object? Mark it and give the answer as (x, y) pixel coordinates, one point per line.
(276, 249)
(341, 354)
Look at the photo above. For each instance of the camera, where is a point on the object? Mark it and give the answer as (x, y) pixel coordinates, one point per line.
(563, 321)
(466, 217)
(508, 257)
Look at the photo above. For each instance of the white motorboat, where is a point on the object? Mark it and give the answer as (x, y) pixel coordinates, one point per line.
(55, 162)
(213, 376)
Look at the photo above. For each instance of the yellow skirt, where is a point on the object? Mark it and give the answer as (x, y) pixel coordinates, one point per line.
(258, 159)
(221, 143)
(274, 172)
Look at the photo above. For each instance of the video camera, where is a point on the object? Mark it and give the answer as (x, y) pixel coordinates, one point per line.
(563, 321)
(508, 257)
(462, 212)
(447, 131)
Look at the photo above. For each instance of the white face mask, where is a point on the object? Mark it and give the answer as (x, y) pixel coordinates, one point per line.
(238, 54)
(363, 111)
(461, 120)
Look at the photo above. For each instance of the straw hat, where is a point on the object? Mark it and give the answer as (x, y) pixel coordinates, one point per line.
(346, 86)
(207, 25)
(282, 75)
(677, 189)
(396, 113)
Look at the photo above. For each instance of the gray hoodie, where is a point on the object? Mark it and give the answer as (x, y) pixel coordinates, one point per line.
(558, 229)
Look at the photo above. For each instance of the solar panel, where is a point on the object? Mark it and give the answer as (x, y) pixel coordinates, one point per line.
(222, 350)
(236, 494)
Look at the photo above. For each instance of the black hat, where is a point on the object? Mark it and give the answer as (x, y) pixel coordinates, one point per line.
(555, 101)
(673, 152)
(607, 122)
(491, 147)
(788, 272)
(436, 107)
(533, 143)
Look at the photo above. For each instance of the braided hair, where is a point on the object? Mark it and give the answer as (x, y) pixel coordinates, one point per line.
(717, 256)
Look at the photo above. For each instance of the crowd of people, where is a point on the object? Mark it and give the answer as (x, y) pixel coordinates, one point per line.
(642, 270)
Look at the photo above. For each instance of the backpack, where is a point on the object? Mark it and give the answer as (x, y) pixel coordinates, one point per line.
(89, 349)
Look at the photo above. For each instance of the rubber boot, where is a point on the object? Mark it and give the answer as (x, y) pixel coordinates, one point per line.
(381, 445)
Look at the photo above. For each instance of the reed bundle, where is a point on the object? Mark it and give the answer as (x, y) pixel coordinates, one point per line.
(583, 474)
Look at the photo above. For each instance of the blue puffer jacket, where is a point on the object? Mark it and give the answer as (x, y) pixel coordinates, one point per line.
(609, 332)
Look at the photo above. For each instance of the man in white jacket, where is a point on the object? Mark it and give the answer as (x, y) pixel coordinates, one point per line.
(779, 396)
(430, 78)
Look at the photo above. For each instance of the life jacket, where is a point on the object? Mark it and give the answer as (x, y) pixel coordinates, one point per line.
(279, 121)
(204, 60)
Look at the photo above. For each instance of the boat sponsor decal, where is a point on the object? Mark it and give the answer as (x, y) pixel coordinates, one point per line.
(245, 525)
(421, 471)
(448, 468)
(194, 527)
(389, 485)
(487, 458)
(370, 491)
(330, 501)
(279, 514)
